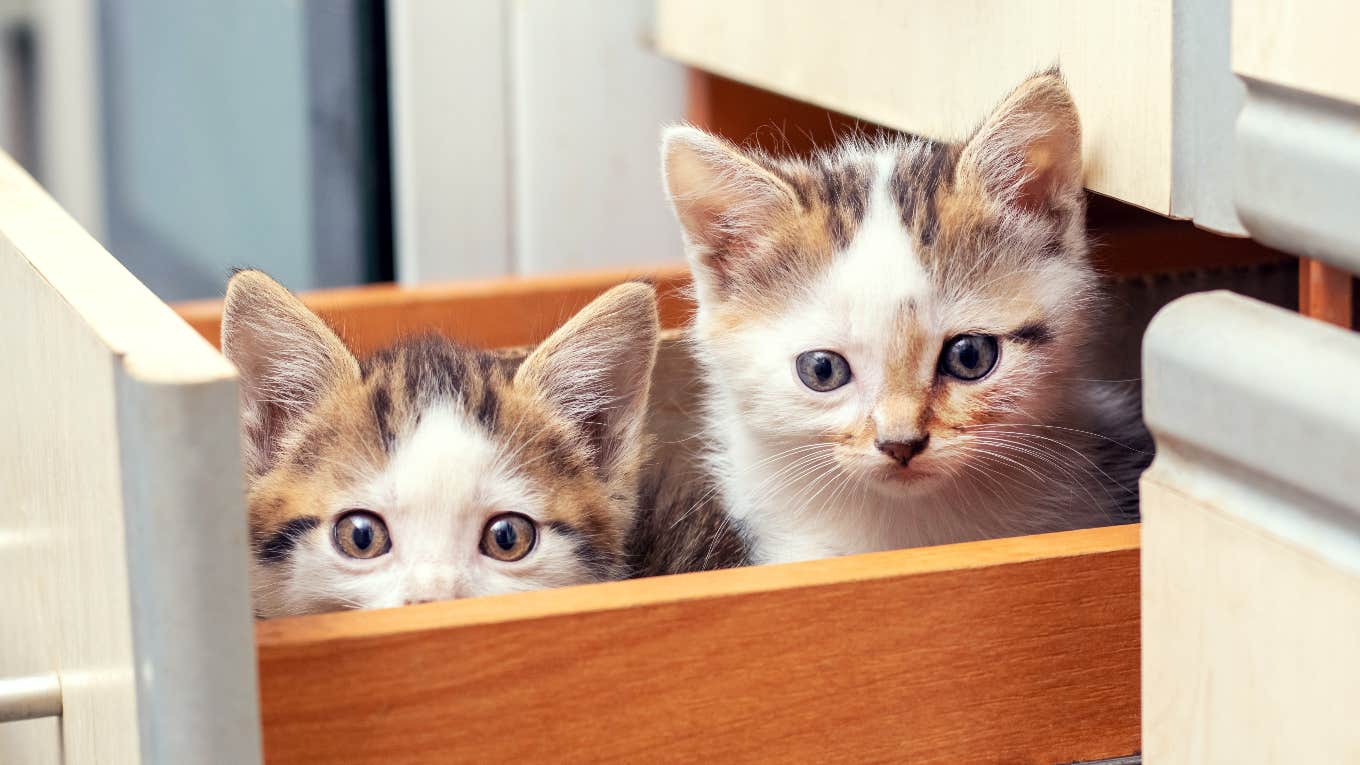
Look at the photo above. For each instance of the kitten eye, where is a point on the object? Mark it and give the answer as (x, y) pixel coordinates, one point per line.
(508, 537)
(969, 357)
(823, 370)
(361, 534)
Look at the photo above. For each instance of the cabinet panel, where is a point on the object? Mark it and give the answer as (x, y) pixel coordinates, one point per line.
(937, 67)
(1307, 45)
(1251, 536)
(123, 532)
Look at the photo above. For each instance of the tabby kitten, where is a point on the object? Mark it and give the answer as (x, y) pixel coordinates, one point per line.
(429, 470)
(894, 337)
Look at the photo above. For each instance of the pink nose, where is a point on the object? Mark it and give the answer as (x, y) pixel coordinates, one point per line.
(903, 451)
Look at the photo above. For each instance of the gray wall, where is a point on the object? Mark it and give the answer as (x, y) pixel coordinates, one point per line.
(232, 135)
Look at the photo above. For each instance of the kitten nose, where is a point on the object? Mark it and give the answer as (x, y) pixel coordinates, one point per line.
(428, 583)
(903, 451)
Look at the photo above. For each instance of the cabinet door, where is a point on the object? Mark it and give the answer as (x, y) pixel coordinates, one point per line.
(122, 530)
(1307, 45)
(1298, 139)
(935, 68)
(1251, 536)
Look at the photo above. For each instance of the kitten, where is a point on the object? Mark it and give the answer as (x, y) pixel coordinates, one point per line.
(894, 337)
(429, 470)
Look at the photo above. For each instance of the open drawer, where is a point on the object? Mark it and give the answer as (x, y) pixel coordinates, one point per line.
(126, 548)
(932, 655)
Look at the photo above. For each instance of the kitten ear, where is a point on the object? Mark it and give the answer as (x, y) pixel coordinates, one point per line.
(287, 358)
(597, 370)
(721, 196)
(1028, 152)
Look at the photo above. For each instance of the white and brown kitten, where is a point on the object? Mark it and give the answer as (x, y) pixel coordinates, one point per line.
(428, 470)
(894, 334)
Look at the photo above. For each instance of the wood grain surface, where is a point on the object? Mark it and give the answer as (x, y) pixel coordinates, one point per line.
(1250, 637)
(1309, 45)
(1022, 650)
(490, 313)
(1326, 293)
(884, 62)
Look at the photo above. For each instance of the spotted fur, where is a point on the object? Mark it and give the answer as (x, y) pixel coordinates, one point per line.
(436, 438)
(882, 250)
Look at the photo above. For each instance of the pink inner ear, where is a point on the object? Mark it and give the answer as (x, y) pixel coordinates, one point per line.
(704, 218)
(1046, 174)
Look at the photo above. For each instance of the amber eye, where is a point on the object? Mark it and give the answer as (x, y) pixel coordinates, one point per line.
(969, 357)
(508, 537)
(361, 534)
(823, 371)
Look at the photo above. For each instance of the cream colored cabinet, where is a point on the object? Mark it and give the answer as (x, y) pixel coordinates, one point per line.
(1150, 77)
(1251, 537)
(123, 544)
(1251, 514)
(1297, 178)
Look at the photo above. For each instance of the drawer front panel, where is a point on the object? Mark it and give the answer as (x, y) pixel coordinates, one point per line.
(935, 68)
(1307, 45)
(1297, 162)
(1013, 650)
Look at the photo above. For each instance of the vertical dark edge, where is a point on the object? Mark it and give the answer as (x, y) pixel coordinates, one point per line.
(347, 121)
(374, 81)
(19, 49)
(1355, 303)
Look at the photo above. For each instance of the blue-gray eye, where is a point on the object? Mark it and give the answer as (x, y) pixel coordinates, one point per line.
(823, 370)
(969, 357)
(361, 534)
(508, 537)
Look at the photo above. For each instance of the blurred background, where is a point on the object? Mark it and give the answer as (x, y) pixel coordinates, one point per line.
(338, 142)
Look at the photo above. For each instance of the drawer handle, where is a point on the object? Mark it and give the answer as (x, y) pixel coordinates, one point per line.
(29, 698)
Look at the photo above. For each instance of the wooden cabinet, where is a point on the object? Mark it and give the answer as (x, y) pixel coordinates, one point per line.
(1297, 168)
(1305, 46)
(1251, 536)
(123, 528)
(1251, 556)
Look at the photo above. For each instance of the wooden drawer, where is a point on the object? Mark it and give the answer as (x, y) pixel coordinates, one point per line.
(924, 655)
(1150, 78)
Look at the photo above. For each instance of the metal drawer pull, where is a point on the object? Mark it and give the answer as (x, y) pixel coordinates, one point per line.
(28, 698)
